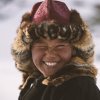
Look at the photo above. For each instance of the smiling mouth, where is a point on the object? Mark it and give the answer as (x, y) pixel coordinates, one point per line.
(50, 64)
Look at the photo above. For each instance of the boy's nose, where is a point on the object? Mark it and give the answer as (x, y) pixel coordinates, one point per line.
(51, 53)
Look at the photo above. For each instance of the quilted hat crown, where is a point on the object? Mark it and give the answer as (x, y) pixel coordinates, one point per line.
(50, 10)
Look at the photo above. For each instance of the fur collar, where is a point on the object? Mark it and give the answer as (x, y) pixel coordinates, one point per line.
(70, 73)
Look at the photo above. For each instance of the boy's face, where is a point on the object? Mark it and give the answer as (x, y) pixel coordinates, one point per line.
(50, 56)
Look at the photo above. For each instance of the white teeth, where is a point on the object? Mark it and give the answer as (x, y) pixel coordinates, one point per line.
(50, 63)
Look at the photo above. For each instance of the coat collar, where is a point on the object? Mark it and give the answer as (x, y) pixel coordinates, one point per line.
(70, 73)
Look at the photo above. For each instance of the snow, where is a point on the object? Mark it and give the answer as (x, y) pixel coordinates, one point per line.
(10, 77)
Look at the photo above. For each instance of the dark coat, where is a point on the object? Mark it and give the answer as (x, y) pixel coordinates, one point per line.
(79, 88)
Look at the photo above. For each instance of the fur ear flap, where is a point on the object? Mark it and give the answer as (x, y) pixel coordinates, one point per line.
(26, 17)
(26, 20)
(75, 18)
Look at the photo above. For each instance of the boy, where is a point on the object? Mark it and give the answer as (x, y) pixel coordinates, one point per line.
(55, 52)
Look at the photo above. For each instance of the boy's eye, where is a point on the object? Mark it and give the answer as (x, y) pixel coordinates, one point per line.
(41, 47)
(60, 46)
(45, 47)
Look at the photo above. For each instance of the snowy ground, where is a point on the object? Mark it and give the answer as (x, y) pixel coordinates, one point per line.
(10, 16)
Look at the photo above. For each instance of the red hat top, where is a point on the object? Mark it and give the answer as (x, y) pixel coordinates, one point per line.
(50, 10)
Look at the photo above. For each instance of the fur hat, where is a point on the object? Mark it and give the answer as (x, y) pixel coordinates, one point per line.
(52, 19)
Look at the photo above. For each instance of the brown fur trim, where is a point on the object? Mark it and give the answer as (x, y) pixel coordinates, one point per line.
(18, 44)
(85, 42)
(75, 18)
(75, 72)
(26, 17)
(80, 61)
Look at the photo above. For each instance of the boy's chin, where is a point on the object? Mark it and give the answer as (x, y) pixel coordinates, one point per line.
(48, 74)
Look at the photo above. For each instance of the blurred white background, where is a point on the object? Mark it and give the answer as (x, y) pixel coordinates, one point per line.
(10, 17)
